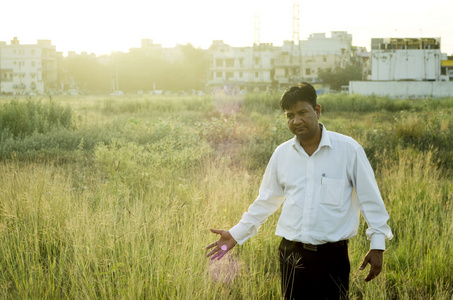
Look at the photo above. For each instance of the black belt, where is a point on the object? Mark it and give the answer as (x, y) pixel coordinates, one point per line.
(311, 247)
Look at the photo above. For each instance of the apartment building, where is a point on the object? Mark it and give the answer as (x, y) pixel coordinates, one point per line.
(265, 66)
(319, 52)
(287, 65)
(26, 69)
(235, 69)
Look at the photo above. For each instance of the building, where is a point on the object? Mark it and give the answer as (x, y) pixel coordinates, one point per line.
(405, 59)
(288, 65)
(447, 68)
(265, 66)
(319, 52)
(406, 68)
(28, 69)
(235, 69)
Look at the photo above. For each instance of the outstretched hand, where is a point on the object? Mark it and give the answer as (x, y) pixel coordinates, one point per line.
(225, 243)
(374, 258)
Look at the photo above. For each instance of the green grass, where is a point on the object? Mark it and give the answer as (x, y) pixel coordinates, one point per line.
(119, 204)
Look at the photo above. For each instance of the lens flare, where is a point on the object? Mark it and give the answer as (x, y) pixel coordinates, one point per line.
(226, 269)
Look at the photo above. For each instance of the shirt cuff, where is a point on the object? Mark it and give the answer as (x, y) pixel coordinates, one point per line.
(378, 242)
(239, 234)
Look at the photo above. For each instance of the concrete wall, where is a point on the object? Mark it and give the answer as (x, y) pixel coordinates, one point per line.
(411, 64)
(403, 89)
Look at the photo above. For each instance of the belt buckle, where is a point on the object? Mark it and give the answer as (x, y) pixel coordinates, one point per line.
(310, 247)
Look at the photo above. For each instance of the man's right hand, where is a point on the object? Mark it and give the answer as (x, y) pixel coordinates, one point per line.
(225, 243)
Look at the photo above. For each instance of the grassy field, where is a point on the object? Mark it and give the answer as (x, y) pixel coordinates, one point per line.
(113, 198)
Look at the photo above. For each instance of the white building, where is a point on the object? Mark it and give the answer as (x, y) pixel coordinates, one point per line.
(264, 66)
(406, 59)
(28, 68)
(288, 65)
(405, 68)
(319, 52)
(241, 68)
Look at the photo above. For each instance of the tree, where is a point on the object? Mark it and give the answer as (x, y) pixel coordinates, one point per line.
(87, 74)
(338, 77)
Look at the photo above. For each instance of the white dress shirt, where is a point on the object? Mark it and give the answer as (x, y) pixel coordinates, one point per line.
(322, 194)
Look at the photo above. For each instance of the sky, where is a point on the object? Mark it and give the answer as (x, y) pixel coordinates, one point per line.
(104, 26)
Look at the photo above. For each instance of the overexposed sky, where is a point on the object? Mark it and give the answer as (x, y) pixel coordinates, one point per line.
(101, 26)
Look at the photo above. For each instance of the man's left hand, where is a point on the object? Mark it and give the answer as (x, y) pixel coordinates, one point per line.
(374, 258)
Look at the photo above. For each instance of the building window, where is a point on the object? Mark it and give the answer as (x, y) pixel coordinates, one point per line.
(218, 74)
(307, 71)
(241, 62)
(229, 63)
(219, 62)
(229, 75)
(257, 60)
(240, 74)
(7, 75)
(257, 74)
(32, 63)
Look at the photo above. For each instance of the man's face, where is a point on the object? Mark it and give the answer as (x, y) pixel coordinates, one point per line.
(302, 120)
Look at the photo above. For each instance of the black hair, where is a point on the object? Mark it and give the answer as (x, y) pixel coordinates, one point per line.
(301, 92)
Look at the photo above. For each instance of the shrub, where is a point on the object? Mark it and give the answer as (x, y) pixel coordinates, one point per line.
(263, 103)
(422, 131)
(139, 167)
(258, 151)
(20, 119)
(217, 129)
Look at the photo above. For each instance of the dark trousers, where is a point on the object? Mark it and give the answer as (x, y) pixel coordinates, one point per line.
(320, 274)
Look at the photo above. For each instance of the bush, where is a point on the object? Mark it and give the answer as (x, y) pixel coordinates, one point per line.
(20, 119)
(139, 167)
(217, 130)
(423, 131)
(358, 103)
(263, 103)
(257, 152)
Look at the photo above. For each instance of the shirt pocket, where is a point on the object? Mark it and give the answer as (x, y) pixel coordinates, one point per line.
(332, 191)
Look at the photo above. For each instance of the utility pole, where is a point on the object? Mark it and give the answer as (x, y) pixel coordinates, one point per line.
(296, 22)
(296, 47)
(256, 29)
(256, 23)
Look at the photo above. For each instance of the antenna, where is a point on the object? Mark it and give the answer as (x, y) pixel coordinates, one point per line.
(256, 23)
(296, 11)
(256, 29)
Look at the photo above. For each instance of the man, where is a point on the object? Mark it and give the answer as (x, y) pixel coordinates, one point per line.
(324, 180)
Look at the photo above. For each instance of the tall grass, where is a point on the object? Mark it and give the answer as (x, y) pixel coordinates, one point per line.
(126, 214)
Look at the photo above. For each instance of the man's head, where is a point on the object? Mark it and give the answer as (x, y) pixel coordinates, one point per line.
(302, 92)
(301, 111)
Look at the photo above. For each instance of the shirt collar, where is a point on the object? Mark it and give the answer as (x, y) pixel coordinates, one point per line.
(325, 139)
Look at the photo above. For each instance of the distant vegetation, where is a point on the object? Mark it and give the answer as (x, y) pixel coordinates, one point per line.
(338, 77)
(138, 70)
(113, 197)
